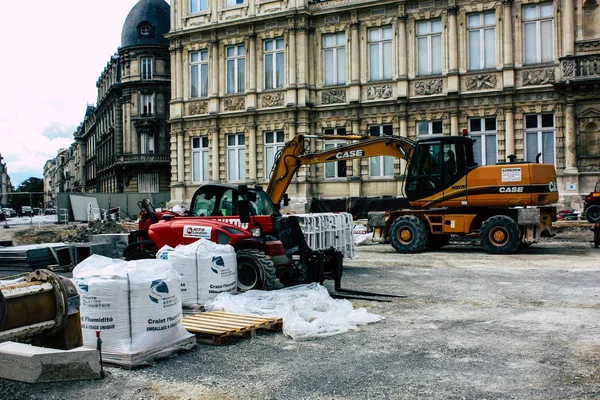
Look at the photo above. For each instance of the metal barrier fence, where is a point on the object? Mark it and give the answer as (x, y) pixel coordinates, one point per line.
(325, 230)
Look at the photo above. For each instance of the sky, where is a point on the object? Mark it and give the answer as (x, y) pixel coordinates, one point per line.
(53, 54)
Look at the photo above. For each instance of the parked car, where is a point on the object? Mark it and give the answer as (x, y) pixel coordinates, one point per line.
(50, 211)
(26, 211)
(9, 212)
(567, 214)
(37, 211)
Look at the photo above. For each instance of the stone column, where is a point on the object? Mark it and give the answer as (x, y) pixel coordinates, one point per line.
(216, 165)
(568, 11)
(180, 158)
(213, 106)
(355, 186)
(454, 124)
(509, 133)
(507, 39)
(252, 153)
(354, 95)
(403, 133)
(291, 130)
(291, 88)
(303, 64)
(402, 57)
(570, 141)
(452, 51)
(251, 68)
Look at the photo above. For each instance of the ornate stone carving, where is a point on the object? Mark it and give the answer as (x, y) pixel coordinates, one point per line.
(273, 100)
(538, 77)
(199, 107)
(434, 86)
(333, 96)
(234, 104)
(568, 68)
(481, 82)
(379, 92)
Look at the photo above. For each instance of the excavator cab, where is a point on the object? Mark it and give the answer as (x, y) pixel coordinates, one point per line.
(437, 163)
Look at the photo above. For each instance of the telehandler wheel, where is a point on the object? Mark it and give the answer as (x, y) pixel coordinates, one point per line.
(500, 235)
(256, 271)
(408, 234)
(593, 213)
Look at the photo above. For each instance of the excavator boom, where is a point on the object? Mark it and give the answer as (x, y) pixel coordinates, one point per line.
(294, 155)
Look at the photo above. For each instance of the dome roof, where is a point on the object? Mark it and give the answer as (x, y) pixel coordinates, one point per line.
(147, 23)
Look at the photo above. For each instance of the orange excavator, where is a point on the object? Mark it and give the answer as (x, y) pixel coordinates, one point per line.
(507, 205)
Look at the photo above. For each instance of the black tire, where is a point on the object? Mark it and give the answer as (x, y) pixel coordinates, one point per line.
(500, 235)
(593, 213)
(408, 234)
(437, 241)
(140, 254)
(256, 271)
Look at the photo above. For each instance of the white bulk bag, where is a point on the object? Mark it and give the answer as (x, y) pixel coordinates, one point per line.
(136, 305)
(206, 269)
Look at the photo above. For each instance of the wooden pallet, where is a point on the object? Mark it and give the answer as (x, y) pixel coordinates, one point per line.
(215, 327)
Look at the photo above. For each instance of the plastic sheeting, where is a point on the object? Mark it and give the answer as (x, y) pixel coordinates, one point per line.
(308, 311)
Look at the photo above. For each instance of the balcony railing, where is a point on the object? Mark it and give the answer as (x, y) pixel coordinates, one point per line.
(580, 67)
(134, 159)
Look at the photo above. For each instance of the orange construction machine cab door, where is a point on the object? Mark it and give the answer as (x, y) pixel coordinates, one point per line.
(438, 170)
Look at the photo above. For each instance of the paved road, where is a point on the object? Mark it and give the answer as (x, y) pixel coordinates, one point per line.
(474, 326)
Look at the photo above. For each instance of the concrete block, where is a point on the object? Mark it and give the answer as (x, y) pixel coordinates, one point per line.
(26, 363)
(117, 242)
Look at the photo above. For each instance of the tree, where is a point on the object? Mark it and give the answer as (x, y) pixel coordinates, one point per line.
(32, 185)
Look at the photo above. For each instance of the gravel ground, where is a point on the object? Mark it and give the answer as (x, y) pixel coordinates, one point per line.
(474, 326)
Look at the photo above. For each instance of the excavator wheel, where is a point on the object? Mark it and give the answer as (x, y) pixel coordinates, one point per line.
(500, 235)
(408, 234)
(256, 271)
(593, 213)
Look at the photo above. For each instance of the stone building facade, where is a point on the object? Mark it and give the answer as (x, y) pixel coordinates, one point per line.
(248, 75)
(124, 139)
(5, 183)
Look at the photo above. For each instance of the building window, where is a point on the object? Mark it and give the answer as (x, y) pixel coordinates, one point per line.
(334, 58)
(199, 73)
(381, 166)
(429, 47)
(482, 40)
(274, 63)
(430, 128)
(538, 33)
(230, 3)
(146, 105)
(147, 143)
(145, 29)
(146, 68)
(539, 137)
(236, 69)
(380, 53)
(148, 183)
(336, 169)
(200, 159)
(198, 5)
(483, 131)
(274, 141)
(236, 157)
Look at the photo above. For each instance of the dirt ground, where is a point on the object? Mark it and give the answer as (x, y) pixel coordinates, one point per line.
(473, 326)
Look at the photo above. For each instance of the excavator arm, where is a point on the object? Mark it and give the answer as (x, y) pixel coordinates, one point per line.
(295, 154)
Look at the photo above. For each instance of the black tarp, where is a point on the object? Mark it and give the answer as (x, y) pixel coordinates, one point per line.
(359, 207)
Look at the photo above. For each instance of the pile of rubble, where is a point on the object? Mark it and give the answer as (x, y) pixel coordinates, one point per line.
(70, 233)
